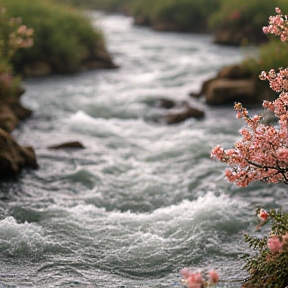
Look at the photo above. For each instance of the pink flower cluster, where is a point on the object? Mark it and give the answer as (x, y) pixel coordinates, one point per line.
(198, 279)
(263, 215)
(274, 244)
(13, 35)
(21, 38)
(277, 81)
(262, 153)
(277, 244)
(277, 25)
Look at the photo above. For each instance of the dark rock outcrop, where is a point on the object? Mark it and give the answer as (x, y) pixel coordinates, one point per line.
(8, 119)
(13, 157)
(234, 84)
(98, 58)
(225, 91)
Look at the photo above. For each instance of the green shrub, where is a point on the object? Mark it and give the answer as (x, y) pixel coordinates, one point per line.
(272, 54)
(62, 35)
(267, 266)
(9, 83)
(107, 5)
(239, 13)
(187, 15)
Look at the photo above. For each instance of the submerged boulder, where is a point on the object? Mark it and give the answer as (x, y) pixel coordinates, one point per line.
(178, 111)
(165, 103)
(68, 145)
(175, 117)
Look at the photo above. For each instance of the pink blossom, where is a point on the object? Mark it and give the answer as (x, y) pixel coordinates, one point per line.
(282, 154)
(256, 156)
(195, 280)
(265, 30)
(278, 10)
(274, 244)
(213, 277)
(263, 215)
(185, 273)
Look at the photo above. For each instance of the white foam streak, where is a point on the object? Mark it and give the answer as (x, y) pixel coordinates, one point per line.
(21, 238)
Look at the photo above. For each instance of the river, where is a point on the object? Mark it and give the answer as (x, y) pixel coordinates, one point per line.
(144, 199)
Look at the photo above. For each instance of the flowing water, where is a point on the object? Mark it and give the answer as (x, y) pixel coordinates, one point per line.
(143, 200)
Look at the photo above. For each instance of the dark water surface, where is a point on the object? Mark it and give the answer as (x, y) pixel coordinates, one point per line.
(143, 200)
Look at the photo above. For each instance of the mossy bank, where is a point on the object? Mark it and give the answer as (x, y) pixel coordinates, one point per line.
(65, 39)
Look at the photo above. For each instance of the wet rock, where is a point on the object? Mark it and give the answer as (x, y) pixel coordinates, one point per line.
(203, 89)
(165, 103)
(12, 111)
(99, 58)
(8, 120)
(224, 91)
(183, 113)
(68, 145)
(18, 109)
(234, 84)
(234, 72)
(13, 157)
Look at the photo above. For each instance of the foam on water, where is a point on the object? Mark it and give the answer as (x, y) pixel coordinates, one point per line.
(135, 205)
(21, 239)
(141, 245)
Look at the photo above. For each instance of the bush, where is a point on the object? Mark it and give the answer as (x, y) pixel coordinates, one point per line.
(268, 266)
(107, 5)
(272, 54)
(240, 13)
(186, 15)
(262, 155)
(63, 36)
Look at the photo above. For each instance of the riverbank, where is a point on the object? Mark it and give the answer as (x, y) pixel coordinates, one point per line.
(54, 48)
(13, 157)
(143, 199)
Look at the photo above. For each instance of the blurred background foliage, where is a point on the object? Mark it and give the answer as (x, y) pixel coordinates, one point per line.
(76, 35)
(62, 35)
(239, 12)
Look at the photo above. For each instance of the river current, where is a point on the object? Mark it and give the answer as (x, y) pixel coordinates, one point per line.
(143, 199)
